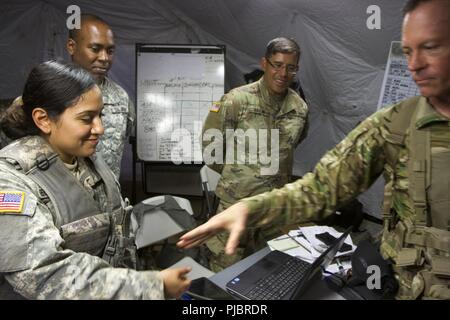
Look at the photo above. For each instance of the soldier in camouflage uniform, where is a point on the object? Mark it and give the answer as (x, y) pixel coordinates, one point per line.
(409, 143)
(92, 48)
(263, 105)
(64, 228)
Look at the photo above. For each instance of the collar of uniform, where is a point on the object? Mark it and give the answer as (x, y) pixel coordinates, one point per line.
(270, 100)
(87, 165)
(104, 84)
(72, 166)
(426, 114)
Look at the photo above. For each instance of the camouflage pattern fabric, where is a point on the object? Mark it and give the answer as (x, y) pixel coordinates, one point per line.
(252, 240)
(90, 180)
(349, 169)
(217, 258)
(35, 262)
(252, 107)
(118, 118)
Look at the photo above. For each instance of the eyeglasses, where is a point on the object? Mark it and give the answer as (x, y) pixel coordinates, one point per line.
(277, 66)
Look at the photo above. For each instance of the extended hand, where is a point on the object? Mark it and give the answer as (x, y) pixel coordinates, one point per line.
(232, 219)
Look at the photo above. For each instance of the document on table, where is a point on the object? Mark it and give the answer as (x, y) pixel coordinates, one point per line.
(303, 244)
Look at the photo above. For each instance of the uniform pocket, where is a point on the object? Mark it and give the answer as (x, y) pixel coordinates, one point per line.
(291, 127)
(115, 123)
(438, 194)
(255, 118)
(87, 235)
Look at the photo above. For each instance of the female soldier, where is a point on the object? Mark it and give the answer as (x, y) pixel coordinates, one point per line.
(60, 207)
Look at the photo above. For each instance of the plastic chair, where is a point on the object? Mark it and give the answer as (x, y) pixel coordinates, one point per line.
(158, 224)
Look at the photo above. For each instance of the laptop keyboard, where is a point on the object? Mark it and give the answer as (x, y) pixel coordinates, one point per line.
(275, 285)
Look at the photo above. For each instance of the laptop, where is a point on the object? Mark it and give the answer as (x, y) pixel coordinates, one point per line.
(279, 276)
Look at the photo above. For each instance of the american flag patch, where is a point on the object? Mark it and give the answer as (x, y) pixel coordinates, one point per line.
(215, 107)
(11, 201)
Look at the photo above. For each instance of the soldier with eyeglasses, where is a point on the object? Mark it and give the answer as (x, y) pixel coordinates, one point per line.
(409, 144)
(262, 105)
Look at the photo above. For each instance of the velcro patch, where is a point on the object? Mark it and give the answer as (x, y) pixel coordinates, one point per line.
(11, 201)
(216, 106)
(17, 203)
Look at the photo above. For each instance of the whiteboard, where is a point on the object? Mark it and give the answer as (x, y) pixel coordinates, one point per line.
(398, 83)
(176, 85)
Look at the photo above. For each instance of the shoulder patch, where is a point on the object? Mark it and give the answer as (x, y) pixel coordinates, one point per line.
(216, 106)
(16, 203)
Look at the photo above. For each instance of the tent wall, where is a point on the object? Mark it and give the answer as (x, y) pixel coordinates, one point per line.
(341, 67)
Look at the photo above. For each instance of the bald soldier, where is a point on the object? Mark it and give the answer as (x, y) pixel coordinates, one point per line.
(409, 143)
(92, 48)
(274, 117)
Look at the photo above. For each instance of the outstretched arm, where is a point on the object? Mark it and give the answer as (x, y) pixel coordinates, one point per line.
(342, 173)
(233, 220)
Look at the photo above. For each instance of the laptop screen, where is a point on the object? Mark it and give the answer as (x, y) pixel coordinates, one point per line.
(321, 263)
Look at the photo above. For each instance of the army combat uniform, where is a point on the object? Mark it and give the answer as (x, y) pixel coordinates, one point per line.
(62, 229)
(118, 118)
(410, 144)
(253, 107)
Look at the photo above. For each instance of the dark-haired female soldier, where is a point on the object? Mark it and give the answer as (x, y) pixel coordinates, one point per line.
(60, 206)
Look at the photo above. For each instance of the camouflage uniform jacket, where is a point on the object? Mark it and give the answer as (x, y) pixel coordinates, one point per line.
(118, 118)
(252, 107)
(353, 165)
(35, 259)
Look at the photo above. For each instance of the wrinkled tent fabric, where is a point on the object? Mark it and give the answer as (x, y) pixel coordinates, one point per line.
(341, 67)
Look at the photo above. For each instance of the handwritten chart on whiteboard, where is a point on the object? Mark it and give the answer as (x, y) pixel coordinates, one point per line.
(397, 82)
(176, 87)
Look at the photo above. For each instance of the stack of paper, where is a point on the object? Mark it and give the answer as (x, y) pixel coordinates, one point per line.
(303, 244)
